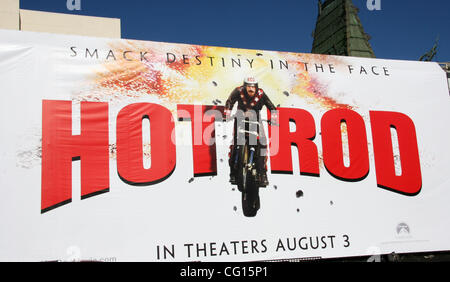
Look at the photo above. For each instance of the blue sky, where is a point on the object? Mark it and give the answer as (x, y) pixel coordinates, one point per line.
(402, 29)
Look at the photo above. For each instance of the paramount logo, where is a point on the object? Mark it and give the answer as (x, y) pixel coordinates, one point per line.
(403, 229)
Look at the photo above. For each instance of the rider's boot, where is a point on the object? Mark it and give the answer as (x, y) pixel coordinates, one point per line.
(233, 166)
(233, 178)
(263, 179)
(233, 174)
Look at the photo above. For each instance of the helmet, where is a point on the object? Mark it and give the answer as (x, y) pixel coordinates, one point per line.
(251, 81)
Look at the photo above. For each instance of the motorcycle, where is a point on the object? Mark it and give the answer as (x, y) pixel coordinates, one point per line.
(246, 157)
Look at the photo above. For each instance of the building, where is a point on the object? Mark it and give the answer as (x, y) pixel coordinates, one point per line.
(339, 30)
(12, 17)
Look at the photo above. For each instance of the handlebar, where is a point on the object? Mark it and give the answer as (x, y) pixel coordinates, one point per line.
(249, 132)
(230, 118)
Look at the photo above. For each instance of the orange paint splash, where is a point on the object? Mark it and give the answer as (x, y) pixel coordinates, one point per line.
(181, 82)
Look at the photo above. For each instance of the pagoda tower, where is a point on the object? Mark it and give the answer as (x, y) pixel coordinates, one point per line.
(339, 31)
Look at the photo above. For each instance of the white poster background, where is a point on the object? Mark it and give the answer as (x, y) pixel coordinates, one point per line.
(132, 223)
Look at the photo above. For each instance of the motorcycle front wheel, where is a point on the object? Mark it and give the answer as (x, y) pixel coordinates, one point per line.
(248, 187)
(250, 201)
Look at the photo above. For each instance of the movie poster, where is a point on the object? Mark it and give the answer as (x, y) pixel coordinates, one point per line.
(122, 150)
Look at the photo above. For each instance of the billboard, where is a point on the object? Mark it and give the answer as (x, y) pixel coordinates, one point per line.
(122, 150)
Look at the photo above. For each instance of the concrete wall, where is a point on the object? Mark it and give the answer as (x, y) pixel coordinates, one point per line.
(12, 17)
(9, 14)
(69, 24)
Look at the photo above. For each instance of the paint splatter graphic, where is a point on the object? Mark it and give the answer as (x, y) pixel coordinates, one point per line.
(179, 73)
(170, 74)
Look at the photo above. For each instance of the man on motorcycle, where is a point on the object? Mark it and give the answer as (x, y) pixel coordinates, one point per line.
(250, 98)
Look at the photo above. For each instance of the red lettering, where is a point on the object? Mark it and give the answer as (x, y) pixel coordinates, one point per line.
(60, 147)
(281, 162)
(203, 136)
(129, 144)
(410, 180)
(333, 156)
